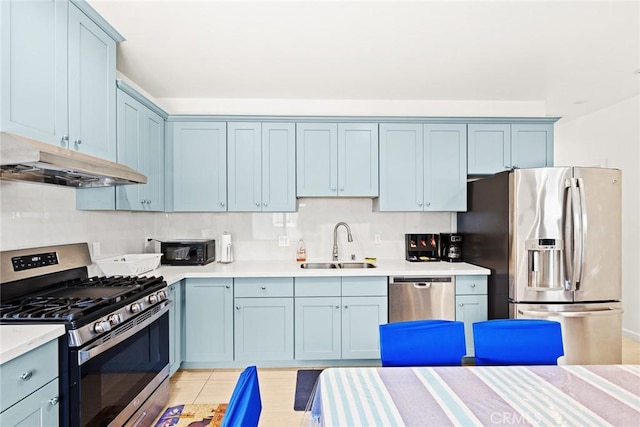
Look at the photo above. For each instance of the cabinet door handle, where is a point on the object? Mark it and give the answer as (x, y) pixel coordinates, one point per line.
(333, 188)
(337, 306)
(221, 203)
(346, 306)
(77, 142)
(419, 203)
(507, 166)
(461, 304)
(266, 204)
(54, 401)
(428, 204)
(26, 376)
(64, 141)
(227, 286)
(258, 204)
(237, 307)
(473, 285)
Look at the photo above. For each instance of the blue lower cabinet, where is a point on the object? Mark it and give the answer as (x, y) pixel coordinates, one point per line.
(39, 409)
(263, 329)
(338, 317)
(208, 320)
(318, 328)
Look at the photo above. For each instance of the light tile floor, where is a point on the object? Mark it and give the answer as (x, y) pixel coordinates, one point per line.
(277, 388)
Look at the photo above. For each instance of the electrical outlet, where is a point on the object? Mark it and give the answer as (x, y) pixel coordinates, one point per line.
(96, 249)
(376, 239)
(283, 240)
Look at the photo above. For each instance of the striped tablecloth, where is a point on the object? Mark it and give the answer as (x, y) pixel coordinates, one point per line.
(479, 396)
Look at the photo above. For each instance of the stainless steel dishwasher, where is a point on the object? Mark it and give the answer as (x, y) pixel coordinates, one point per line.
(420, 297)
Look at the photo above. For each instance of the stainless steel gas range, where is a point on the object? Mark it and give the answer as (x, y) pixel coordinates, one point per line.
(114, 356)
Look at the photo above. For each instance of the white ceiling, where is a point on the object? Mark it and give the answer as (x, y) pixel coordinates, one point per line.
(575, 56)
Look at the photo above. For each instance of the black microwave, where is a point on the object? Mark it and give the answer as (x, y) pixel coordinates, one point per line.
(188, 252)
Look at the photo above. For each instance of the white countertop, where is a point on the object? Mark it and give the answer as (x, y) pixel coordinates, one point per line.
(264, 268)
(16, 340)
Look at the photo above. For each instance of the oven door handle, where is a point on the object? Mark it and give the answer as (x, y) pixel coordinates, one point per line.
(86, 355)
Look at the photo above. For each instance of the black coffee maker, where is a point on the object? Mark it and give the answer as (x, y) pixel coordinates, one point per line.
(451, 247)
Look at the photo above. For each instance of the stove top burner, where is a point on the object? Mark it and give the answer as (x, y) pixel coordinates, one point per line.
(72, 300)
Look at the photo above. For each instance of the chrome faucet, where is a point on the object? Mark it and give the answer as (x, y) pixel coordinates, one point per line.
(335, 238)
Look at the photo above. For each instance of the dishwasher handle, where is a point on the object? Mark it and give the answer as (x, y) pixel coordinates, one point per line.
(421, 282)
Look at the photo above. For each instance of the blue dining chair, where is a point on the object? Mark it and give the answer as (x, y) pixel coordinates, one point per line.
(245, 404)
(517, 342)
(422, 343)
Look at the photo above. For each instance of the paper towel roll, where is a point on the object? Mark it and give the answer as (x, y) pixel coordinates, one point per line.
(226, 248)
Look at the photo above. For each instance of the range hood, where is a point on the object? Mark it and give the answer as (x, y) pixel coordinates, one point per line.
(24, 159)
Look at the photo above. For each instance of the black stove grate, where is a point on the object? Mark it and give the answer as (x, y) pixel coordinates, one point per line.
(78, 298)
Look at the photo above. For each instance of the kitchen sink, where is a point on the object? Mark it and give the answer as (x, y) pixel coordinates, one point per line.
(356, 265)
(325, 265)
(318, 265)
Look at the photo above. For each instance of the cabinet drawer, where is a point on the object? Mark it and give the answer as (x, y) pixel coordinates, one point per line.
(38, 409)
(38, 367)
(364, 286)
(317, 286)
(263, 287)
(471, 285)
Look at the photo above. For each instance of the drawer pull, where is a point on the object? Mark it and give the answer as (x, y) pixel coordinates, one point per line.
(54, 401)
(26, 376)
(473, 285)
(263, 287)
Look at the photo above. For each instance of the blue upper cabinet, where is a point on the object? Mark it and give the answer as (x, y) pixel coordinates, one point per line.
(261, 167)
(141, 147)
(401, 168)
(58, 75)
(358, 160)
(317, 159)
(423, 167)
(278, 167)
(337, 159)
(531, 145)
(445, 167)
(34, 79)
(92, 87)
(196, 176)
(497, 147)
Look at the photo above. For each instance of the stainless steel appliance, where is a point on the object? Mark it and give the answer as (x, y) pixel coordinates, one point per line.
(552, 239)
(414, 298)
(24, 159)
(451, 247)
(422, 247)
(114, 357)
(188, 252)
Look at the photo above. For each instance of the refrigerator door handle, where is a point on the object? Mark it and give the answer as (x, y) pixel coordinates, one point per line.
(568, 236)
(577, 235)
(600, 312)
(583, 228)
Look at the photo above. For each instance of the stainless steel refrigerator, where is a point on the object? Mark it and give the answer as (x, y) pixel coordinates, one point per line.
(552, 239)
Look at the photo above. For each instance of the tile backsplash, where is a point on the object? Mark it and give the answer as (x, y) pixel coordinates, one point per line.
(39, 215)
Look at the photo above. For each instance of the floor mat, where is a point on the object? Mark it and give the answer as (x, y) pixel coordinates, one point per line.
(194, 415)
(305, 381)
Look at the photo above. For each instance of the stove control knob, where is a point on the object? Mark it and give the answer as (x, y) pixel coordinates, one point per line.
(135, 308)
(115, 319)
(101, 327)
(162, 295)
(153, 299)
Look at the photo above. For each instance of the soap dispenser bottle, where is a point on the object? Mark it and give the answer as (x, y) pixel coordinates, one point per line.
(301, 253)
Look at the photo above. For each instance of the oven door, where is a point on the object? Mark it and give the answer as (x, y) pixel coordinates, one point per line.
(110, 380)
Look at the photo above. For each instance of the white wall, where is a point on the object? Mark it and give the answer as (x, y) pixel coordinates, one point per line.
(611, 137)
(39, 214)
